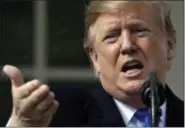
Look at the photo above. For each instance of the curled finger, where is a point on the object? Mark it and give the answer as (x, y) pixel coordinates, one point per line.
(46, 103)
(52, 110)
(25, 90)
(36, 97)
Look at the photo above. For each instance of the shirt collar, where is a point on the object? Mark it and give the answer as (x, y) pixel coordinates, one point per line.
(163, 117)
(127, 112)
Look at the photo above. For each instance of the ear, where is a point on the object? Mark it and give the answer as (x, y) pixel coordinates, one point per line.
(94, 59)
(171, 49)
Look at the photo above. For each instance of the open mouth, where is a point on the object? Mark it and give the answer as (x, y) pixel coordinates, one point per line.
(132, 65)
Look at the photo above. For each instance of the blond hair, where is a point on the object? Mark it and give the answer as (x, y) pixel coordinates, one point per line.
(97, 7)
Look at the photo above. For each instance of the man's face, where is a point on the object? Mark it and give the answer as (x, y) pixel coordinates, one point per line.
(129, 44)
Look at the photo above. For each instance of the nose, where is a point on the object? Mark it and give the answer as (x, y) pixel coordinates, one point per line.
(128, 45)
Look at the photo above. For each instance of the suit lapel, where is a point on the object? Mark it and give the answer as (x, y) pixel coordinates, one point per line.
(175, 110)
(106, 113)
(110, 113)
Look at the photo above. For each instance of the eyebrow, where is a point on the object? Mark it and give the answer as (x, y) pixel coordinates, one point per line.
(112, 26)
(130, 24)
(111, 29)
(137, 23)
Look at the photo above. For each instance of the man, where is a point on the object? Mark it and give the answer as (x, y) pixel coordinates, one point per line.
(126, 41)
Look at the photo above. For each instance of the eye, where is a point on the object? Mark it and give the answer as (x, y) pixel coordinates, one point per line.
(141, 32)
(112, 37)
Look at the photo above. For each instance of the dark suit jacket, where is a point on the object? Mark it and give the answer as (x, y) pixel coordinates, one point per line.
(81, 107)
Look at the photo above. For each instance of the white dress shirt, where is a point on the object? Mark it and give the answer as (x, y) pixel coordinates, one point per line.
(127, 112)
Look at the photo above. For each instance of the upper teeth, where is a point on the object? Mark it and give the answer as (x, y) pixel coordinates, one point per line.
(132, 63)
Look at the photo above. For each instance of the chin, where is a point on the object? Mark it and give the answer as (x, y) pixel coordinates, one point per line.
(132, 88)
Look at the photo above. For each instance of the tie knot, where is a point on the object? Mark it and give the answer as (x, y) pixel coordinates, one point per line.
(142, 113)
(143, 116)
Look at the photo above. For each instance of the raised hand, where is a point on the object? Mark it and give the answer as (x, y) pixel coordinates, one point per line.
(33, 102)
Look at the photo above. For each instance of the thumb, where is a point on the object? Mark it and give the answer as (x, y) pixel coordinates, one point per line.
(14, 74)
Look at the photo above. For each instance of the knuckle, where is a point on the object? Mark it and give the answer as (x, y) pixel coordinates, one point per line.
(42, 107)
(45, 88)
(39, 108)
(56, 103)
(35, 82)
(32, 101)
(52, 95)
(26, 105)
(21, 92)
(55, 107)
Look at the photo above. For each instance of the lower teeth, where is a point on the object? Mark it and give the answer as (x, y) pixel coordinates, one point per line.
(132, 70)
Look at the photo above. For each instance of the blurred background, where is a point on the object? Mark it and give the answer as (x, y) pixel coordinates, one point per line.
(44, 38)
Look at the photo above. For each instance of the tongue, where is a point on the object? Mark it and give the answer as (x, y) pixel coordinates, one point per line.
(133, 71)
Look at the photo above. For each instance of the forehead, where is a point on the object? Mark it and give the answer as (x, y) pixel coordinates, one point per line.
(130, 12)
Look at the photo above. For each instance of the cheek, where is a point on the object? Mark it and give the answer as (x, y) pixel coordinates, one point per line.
(152, 48)
(155, 52)
(108, 54)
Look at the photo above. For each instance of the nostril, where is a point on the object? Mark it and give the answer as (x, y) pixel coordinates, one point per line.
(129, 50)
